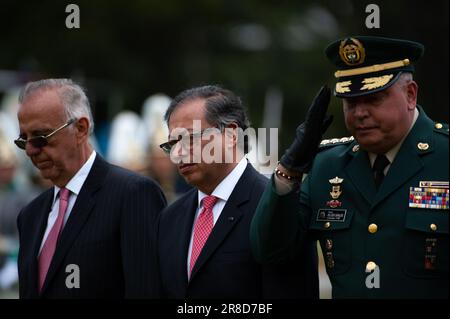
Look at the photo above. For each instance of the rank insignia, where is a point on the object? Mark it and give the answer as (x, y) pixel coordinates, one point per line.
(430, 195)
(423, 146)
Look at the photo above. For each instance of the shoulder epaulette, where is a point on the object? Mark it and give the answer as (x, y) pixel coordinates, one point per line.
(441, 128)
(336, 141)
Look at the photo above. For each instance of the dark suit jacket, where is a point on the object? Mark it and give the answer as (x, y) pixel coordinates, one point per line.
(109, 235)
(226, 268)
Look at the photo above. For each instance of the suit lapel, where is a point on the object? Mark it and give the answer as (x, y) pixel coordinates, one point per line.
(229, 217)
(41, 224)
(80, 212)
(187, 219)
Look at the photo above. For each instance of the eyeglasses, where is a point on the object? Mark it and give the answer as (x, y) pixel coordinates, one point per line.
(187, 141)
(40, 141)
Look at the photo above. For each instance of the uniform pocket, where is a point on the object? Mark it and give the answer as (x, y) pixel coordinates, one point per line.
(332, 227)
(425, 243)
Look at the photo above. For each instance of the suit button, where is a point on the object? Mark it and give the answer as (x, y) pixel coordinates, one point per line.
(373, 228)
(433, 227)
(327, 225)
(371, 266)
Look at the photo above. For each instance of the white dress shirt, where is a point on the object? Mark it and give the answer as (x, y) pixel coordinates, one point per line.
(222, 192)
(74, 186)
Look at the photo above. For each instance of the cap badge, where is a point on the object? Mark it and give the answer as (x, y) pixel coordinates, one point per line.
(352, 51)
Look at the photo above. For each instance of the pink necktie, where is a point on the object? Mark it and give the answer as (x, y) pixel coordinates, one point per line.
(202, 229)
(48, 249)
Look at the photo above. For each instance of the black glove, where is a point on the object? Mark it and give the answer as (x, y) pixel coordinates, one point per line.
(303, 149)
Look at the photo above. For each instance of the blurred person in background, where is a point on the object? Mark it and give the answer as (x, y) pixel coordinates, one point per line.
(163, 171)
(154, 132)
(12, 200)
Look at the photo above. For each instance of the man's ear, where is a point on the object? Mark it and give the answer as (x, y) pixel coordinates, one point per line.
(411, 94)
(82, 127)
(231, 135)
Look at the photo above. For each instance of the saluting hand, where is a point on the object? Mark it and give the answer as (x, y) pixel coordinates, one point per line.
(303, 149)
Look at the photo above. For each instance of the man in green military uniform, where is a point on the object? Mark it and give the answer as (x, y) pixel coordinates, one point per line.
(376, 201)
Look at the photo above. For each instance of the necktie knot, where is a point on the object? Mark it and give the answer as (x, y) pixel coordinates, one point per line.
(209, 202)
(64, 194)
(380, 163)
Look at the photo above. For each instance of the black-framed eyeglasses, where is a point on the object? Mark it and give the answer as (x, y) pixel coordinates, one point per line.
(40, 141)
(187, 143)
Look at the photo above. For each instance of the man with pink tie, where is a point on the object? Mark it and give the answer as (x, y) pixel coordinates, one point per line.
(203, 237)
(92, 234)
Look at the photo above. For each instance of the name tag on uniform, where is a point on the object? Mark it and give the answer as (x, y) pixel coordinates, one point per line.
(331, 215)
(430, 195)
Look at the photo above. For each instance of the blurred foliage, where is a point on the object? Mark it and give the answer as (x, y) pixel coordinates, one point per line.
(128, 50)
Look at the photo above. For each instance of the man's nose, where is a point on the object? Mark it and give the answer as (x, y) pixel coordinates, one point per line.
(178, 153)
(360, 110)
(31, 150)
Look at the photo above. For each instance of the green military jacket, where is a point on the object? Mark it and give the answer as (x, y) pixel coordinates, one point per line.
(390, 243)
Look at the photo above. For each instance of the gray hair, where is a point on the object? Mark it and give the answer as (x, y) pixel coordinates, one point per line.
(222, 108)
(72, 95)
(404, 78)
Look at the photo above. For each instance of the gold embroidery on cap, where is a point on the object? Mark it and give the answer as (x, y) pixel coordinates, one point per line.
(372, 68)
(376, 82)
(342, 87)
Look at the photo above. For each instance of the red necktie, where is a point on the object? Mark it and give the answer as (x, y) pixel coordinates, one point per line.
(202, 229)
(48, 250)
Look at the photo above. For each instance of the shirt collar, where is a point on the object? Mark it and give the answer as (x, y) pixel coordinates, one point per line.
(392, 153)
(226, 186)
(77, 181)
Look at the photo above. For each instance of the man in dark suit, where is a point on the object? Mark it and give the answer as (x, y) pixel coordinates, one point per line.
(92, 234)
(203, 238)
